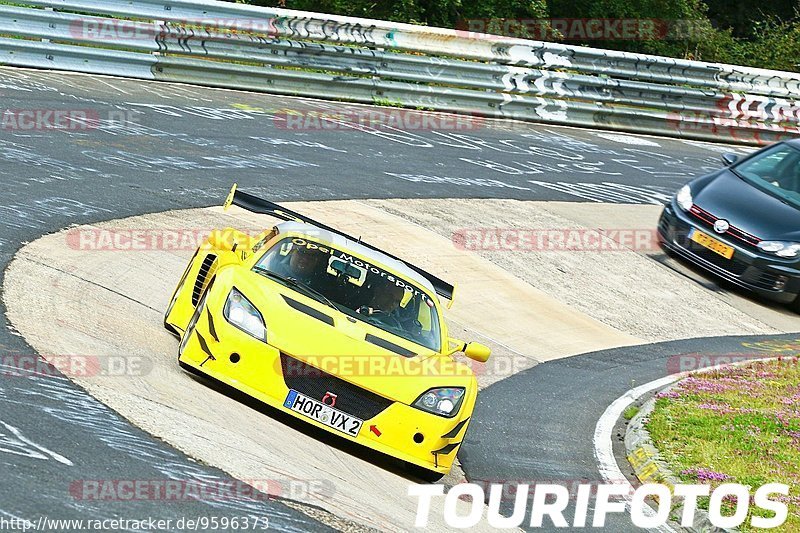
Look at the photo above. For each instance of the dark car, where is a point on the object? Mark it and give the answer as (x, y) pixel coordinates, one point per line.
(742, 223)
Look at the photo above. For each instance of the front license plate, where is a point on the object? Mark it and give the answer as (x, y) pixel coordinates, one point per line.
(324, 414)
(711, 243)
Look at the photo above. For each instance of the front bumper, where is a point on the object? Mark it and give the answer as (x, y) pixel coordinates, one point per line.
(263, 372)
(768, 276)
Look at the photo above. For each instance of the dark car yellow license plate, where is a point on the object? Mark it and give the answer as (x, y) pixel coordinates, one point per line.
(711, 243)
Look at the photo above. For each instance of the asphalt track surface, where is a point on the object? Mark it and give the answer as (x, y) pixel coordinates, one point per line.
(546, 415)
(181, 147)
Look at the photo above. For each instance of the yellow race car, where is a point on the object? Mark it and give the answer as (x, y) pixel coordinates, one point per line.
(331, 330)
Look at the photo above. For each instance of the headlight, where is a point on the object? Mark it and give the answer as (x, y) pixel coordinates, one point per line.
(242, 314)
(781, 249)
(442, 402)
(684, 198)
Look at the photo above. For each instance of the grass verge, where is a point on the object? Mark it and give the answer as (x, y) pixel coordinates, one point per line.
(735, 425)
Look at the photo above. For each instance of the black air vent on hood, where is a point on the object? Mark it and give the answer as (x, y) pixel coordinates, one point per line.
(310, 311)
(392, 347)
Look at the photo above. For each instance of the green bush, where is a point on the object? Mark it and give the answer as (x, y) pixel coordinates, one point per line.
(766, 36)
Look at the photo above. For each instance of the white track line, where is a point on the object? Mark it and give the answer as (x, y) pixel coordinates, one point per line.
(22, 438)
(603, 432)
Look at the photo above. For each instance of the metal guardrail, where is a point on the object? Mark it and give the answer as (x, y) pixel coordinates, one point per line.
(309, 54)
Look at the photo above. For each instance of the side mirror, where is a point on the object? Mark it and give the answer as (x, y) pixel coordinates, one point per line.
(729, 159)
(477, 352)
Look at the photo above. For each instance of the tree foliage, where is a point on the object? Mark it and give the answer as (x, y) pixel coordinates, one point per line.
(764, 34)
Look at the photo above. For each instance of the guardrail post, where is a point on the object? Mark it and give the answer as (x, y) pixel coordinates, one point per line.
(47, 9)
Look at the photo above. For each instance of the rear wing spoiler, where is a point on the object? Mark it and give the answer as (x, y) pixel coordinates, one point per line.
(255, 204)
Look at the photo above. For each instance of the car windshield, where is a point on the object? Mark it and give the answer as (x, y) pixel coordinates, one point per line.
(360, 289)
(775, 170)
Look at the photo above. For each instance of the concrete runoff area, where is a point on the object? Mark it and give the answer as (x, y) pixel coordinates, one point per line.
(772, 314)
(616, 283)
(181, 146)
(100, 302)
(68, 300)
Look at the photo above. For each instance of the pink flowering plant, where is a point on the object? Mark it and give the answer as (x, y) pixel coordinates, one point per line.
(738, 424)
